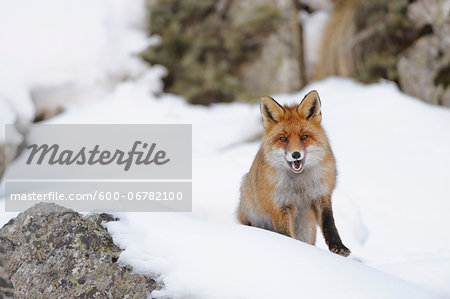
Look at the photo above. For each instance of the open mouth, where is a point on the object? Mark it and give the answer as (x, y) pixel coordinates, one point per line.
(296, 166)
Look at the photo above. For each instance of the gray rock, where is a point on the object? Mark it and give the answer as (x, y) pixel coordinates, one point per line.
(404, 41)
(53, 252)
(6, 287)
(280, 65)
(424, 68)
(418, 68)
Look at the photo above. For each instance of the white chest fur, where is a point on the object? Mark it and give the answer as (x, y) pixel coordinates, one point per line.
(300, 189)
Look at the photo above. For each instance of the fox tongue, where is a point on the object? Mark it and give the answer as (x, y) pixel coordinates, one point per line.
(297, 165)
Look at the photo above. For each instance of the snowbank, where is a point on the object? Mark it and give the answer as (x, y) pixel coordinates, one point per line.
(202, 259)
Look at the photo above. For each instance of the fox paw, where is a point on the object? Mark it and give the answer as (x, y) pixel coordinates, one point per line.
(340, 249)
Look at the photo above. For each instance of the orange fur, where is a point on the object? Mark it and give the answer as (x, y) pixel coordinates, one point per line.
(283, 192)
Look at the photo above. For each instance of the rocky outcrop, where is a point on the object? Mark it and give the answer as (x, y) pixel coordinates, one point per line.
(219, 51)
(53, 252)
(399, 40)
(279, 67)
(364, 38)
(424, 68)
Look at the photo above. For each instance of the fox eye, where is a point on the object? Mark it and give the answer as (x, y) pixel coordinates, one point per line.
(304, 137)
(283, 139)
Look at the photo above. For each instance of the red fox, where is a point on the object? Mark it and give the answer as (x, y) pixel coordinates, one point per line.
(289, 185)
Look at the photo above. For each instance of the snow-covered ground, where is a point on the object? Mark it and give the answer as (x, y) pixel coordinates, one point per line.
(390, 204)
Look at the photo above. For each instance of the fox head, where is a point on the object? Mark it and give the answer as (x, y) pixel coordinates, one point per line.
(294, 139)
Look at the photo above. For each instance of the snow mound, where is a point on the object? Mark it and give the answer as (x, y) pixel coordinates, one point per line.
(200, 259)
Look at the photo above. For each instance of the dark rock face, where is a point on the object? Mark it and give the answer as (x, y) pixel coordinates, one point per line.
(53, 252)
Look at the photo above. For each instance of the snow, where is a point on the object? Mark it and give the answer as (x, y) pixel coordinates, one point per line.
(70, 50)
(434, 269)
(202, 259)
(391, 202)
(314, 26)
(318, 4)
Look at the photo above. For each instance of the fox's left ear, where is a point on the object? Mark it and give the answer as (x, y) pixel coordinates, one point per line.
(271, 111)
(309, 108)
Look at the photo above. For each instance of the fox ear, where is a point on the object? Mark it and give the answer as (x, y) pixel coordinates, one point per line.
(271, 111)
(309, 108)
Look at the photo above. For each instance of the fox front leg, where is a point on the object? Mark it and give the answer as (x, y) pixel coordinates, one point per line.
(329, 230)
(283, 221)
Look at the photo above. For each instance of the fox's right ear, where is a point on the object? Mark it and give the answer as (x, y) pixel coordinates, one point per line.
(271, 111)
(309, 108)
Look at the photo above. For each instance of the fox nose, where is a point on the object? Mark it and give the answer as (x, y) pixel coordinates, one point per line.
(295, 155)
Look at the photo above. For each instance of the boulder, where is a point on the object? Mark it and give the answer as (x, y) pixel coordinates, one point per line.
(54, 252)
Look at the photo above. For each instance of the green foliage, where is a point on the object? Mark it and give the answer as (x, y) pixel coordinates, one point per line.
(204, 50)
